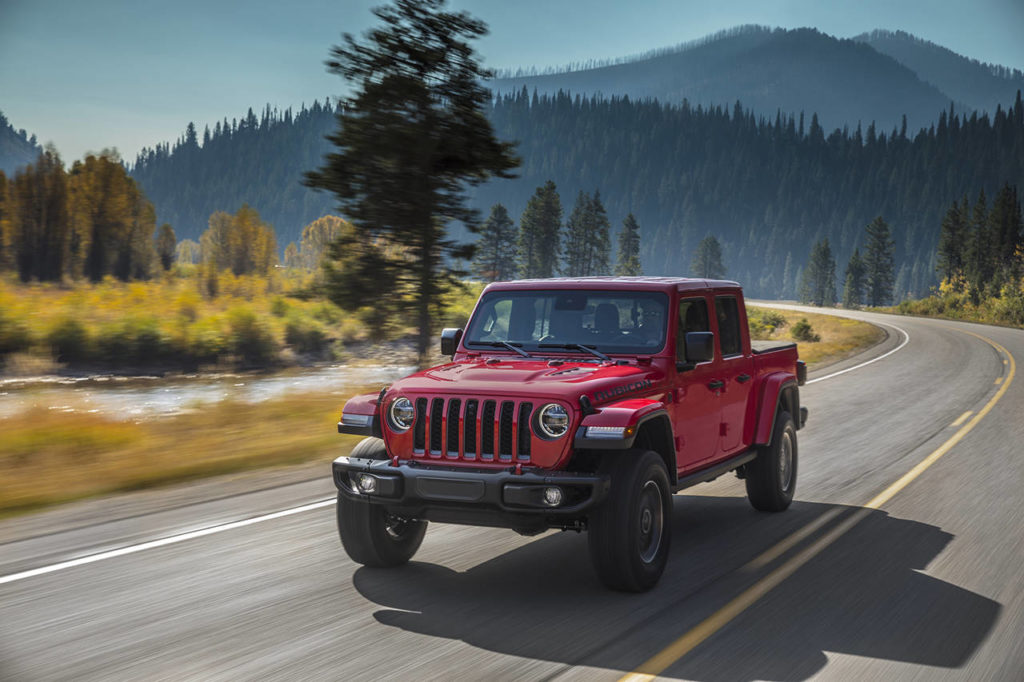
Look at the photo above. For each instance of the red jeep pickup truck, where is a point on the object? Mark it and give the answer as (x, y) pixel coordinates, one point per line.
(579, 404)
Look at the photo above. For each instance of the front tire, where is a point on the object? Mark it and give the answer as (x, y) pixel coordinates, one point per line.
(630, 533)
(771, 478)
(369, 533)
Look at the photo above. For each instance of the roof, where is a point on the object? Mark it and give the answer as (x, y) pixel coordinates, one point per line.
(625, 283)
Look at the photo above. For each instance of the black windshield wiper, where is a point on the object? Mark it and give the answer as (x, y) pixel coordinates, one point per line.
(577, 346)
(505, 344)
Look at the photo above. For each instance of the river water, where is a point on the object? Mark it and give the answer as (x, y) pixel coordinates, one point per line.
(135, 398)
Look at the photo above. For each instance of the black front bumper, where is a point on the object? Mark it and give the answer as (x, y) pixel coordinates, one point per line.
(483, 497)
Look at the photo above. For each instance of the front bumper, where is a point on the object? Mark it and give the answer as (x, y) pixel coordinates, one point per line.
(484, 497)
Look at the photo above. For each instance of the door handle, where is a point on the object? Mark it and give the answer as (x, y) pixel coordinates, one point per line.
(716, 384)
(743, 378)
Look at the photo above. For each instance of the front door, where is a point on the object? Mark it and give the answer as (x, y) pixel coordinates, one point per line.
(697, 409)
(735, 372)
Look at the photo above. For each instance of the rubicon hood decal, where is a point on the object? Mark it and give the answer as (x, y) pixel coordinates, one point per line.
(618, 391)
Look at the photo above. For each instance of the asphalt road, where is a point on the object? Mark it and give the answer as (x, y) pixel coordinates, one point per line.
(924, 582)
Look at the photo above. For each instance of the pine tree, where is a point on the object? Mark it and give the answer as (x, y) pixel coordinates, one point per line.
(166, 243)
(1004, 227)
(879, 269)
(495, 259)
(577, 236)
(818, 286)
(627, 262)
(539, 229)
(707, 259)
(600, 252)
(417, 79)
(979, 270)
(952, 253)
(853, 288)
(40, 225)
(788, 276)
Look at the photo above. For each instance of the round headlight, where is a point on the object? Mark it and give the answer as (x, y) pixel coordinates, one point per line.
(552, 421)
(401, 414)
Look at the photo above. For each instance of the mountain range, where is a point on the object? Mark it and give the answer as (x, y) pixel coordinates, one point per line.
(877, 77)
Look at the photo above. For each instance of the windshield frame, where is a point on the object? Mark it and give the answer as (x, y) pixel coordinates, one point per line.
(537, 349)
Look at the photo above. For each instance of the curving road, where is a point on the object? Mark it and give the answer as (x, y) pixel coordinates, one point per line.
(885, 568)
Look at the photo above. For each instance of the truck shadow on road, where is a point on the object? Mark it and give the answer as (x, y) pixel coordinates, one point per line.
(864, 595)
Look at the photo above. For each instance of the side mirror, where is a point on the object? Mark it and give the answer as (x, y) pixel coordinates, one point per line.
(700, 347)
(450, 341)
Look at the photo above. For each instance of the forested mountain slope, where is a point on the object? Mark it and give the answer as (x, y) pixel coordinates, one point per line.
(844, 81)
(255, 160)
(975, 84)
(768, 188)
(17, 148)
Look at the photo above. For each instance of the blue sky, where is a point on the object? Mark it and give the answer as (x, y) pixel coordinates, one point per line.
(90, 74)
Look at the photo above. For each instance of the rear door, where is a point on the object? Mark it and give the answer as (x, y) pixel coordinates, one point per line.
(735, 371)
(697, 409)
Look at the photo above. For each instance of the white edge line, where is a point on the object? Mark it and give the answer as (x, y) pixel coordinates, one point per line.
(131, 549)
(906, 340)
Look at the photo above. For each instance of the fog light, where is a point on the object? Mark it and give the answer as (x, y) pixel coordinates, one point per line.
(367, 483)
(552, 496)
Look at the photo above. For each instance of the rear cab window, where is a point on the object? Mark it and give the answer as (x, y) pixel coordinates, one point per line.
(730, 341)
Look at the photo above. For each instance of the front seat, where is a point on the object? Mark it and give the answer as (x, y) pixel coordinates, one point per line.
(606, 320)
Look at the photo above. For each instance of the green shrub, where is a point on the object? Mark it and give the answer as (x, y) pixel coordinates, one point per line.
(207, 340)
(134, 340)
(328, 313)
(69, 340)
(803, 331)
(15, 336)
(305, 335)
(251, 341)
(279, 307)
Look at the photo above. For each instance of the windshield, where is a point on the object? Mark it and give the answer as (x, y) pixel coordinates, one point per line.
(609, 321)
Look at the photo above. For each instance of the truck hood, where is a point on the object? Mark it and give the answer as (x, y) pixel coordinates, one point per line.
(540, 378)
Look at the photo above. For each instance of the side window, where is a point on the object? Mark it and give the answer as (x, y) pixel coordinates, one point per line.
(727, 311)
(693, 317)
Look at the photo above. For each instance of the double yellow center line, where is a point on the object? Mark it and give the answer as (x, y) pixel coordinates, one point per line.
(657, 664)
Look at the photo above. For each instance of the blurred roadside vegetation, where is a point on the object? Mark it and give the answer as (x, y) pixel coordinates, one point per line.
(980, 259)
(955, 300)
(191, 318)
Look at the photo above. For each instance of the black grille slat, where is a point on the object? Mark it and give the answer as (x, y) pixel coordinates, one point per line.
(436, 417)
(419, 428)
(523, 432)
(505, 430)
(487, 431)
(452, 435)
(469, 432)
(473, 429)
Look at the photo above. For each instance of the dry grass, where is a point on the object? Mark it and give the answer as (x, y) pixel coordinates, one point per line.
(840, 337)
(48, 457)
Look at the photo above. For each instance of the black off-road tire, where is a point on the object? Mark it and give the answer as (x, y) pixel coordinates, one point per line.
(771, 477)
(630, 533)
(370, 535)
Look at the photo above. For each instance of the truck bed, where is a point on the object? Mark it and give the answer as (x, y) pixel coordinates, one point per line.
(760, 347)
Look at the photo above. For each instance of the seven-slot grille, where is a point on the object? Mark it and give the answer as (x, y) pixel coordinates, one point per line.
(473, 429)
